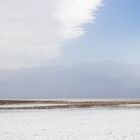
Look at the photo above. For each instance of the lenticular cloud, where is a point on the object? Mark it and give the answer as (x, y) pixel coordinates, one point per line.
(32, 31)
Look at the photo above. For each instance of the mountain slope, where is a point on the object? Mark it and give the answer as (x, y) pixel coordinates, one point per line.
(96, 80)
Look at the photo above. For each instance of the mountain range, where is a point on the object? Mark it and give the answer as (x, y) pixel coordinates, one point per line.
(87, 80)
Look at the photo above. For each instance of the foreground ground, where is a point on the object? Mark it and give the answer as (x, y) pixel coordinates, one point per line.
(71, 124)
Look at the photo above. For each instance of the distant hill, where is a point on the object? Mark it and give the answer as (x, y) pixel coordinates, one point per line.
(89, 80)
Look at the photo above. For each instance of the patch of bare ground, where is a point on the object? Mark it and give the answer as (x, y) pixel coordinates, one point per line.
(59, 104)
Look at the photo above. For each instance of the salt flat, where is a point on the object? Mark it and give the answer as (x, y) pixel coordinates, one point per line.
(71, 124)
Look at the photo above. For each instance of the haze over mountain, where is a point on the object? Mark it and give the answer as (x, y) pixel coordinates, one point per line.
(87, 80)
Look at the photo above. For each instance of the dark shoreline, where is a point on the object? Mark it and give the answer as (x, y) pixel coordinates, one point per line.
(61, 104)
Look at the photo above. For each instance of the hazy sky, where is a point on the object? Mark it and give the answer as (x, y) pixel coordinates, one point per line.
(115, 36)
(44, 32)
(33, 32)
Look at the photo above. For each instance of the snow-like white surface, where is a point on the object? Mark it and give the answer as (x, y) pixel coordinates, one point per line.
(71, 124)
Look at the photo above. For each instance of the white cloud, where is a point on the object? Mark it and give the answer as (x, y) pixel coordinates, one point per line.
(32, 31)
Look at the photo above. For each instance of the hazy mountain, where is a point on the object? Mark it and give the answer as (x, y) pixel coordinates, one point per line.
(90, 80)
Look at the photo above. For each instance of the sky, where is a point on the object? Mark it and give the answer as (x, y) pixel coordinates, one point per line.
(114, 36)
(36, 33)
(32, 32)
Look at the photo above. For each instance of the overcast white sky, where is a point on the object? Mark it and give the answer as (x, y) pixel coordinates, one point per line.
(33, 31)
